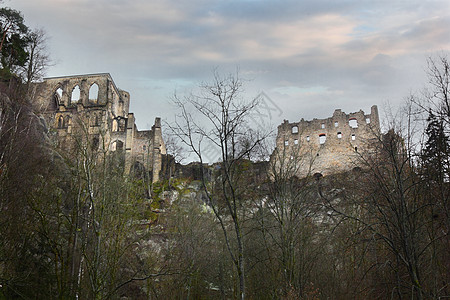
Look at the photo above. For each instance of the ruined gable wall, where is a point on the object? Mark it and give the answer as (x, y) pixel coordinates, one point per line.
(107, 114)
(106, 89)
(101, 107)
(327, 145)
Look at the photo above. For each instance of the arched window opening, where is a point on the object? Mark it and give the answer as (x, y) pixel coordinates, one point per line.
(356, 149)
(57, 99)
(295, 142)
(95, 143)
(322, 138)
(75, 94)
(59, 92)
(336, 124)
(353, 137)
(339, 135)
(117, 146)
(58, 95)
(115, 125)
(144, 147)
(322, 125)
(93, 93)
(367, 120)
(61, 122)
(307, 138)
(317, 175)
(353, 123)
(286, 143)
(295, 129)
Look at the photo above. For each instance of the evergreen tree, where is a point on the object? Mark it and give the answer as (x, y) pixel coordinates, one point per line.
(435, 155)
(14, 40)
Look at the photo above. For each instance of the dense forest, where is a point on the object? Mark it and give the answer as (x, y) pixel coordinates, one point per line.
(74, 225)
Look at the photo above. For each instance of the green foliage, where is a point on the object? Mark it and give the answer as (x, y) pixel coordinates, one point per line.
(23, 52)
(13, 53)
(436, 153)
(12, 22)
(14, 40)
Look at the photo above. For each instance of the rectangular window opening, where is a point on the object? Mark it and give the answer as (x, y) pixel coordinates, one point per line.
(353, 123)
(322, 138)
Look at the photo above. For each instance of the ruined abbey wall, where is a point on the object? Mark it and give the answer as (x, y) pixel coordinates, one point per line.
(328, 145)
(92, 105)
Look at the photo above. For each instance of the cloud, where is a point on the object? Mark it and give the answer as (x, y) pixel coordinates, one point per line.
(306, 55)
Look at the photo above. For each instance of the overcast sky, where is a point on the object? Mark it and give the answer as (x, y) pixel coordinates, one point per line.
(308, 57)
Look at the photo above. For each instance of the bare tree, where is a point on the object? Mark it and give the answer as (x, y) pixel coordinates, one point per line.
(221, 123)
(38, 57)
(437, 96)
(287, 224)
(175, 154)
(388, 199)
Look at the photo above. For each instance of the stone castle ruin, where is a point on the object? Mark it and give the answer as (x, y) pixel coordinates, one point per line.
(94, 106)
(326, 146)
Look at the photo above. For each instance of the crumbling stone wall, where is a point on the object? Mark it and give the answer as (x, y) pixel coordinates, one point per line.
(148, 148)
(93, 105)
(326, 146)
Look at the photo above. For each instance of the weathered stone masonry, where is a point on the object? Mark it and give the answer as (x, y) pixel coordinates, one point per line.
(329, 145)
(94, 105)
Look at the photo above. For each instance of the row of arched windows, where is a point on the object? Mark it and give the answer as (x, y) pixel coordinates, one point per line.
(65, 121)
(75, 95)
